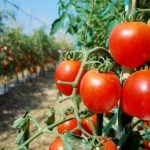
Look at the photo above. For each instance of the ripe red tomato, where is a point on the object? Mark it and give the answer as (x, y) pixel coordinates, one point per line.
(67, 71)
(86, 126)
(100, 92)
(135, 99)
(129, 43)
(109, 145)
(32, 70)
(67, 126)
(57, 144)
(146, 124)
(146, 145)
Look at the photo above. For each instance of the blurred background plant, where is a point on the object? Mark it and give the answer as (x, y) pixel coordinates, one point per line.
(30, 52)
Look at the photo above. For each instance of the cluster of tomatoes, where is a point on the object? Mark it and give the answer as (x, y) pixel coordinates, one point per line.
(129, 45)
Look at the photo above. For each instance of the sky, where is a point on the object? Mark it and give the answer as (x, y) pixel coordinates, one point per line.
(45, 10)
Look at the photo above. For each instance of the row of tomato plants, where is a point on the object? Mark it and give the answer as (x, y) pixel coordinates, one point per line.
(19, 52)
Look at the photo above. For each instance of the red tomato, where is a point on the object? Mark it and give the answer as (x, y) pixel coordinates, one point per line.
(86, 126)
(146, 124)
(57, 144)
(100, 92)
(67, 126)
(18, 69)
(32, 70)
(146, 145)
(1, 48)
(129, 43)
(135, 99)
(109, 145)
(67, 71)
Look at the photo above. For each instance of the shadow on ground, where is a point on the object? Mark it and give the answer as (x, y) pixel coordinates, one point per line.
(22, 98)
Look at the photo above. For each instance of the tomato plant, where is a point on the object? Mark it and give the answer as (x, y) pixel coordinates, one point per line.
(129, 43)
(57, 144)
(68, 126)
(135, 99)
(86, 125)
(94, 90)
(67, 71)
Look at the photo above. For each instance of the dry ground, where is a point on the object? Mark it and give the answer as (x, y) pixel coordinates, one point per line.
(34, 96)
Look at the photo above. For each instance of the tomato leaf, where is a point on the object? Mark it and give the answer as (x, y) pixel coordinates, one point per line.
(21, 122)
(107, 10)
(2, 54)
(57, 24)
(111, 25)
(146, 134)
(50, 116)
(20, 138)
(108, 127)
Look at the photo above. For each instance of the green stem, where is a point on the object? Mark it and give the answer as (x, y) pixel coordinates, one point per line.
(64, 99)
(65, 83)
(143, 10)
(43, 130)
(92, 126)
(89, 135)
(30, 139)
(92, 62)
(76, 107)
(99, 124)
(107, 128)
(74, 84)
(35, 122)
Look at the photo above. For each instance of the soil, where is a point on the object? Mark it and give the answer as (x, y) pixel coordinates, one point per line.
(34, 96)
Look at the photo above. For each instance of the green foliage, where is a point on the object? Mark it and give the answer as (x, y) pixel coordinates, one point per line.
(89, 22)
(5, 15)
(19, 51)
(22, 124)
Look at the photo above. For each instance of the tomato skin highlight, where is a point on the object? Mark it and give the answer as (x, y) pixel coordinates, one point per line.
(107, 144)
(86, 126)
(100, 92)
(57, 144)
(68, 126)
(135, 99)
(67, 71)
(129, 43)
